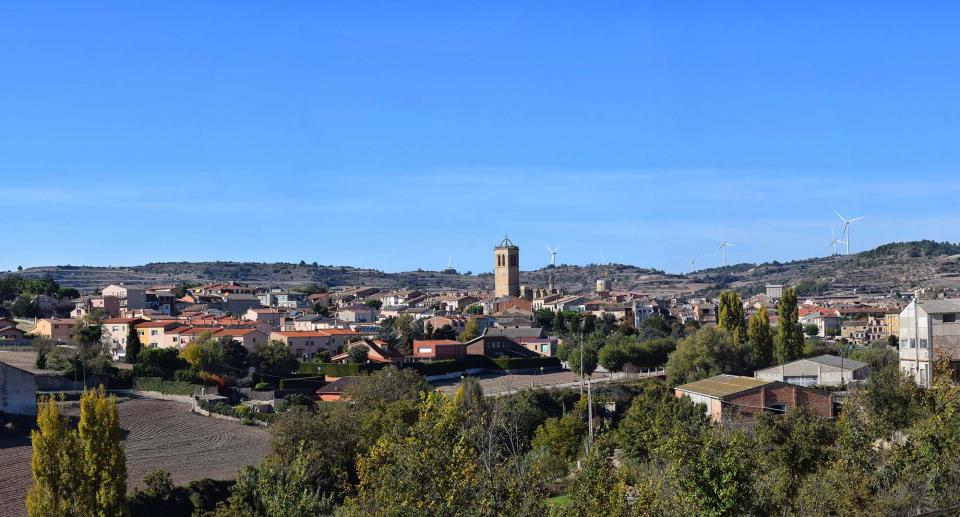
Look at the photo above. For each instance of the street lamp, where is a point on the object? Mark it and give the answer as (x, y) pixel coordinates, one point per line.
(541, 376)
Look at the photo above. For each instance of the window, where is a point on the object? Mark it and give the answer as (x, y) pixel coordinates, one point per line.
(949, 318)
(778, 409)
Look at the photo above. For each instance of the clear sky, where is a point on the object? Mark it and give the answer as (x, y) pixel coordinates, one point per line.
(393, 134)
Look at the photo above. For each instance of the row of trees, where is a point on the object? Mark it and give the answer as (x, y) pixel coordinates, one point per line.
(221, 361)
(669, 460)
(78, 471)
(788, 343)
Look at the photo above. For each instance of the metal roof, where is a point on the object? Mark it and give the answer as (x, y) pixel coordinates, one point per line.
(832, 360)
(723, 385)
(940, 306)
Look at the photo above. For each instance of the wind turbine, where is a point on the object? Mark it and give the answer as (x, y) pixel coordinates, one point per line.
(693, 263)
(603, 260)
(722, 248)
(835, 242)
(553, 254)
(846, 230)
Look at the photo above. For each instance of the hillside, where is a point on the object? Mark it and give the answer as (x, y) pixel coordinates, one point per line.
(895, 266)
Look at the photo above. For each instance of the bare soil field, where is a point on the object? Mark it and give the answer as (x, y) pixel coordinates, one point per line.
(159, 434)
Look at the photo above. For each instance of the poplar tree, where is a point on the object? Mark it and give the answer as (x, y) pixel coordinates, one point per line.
(56, 465)
(104, 461)
(731, 316)
(789, 345)
(760, 338)
(78, 472)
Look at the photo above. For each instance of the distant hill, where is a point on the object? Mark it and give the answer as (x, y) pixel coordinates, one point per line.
(898, 266)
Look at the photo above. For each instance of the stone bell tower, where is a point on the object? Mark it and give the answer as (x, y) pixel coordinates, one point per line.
(506, 269)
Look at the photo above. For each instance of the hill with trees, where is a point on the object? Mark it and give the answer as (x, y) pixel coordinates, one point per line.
(898, 266)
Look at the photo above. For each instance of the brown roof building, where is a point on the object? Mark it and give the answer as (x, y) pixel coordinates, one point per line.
(732, 396)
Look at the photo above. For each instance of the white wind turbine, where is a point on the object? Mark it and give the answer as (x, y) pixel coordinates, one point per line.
(553, 254)
(835, 242)
(722, 248)
(693, 263)
(845, 237)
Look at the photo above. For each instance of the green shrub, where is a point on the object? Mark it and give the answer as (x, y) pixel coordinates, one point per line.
(263, 386)
(302, 383)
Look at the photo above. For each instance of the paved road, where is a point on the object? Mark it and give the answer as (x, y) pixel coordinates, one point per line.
(505, 384)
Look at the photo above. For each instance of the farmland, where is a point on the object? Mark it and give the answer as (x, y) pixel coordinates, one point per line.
(158, 434)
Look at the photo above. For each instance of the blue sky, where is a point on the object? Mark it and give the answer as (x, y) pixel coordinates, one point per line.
(391, 135)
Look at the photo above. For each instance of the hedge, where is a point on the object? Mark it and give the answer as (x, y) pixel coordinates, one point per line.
(523, 363)
(166, 387)
(339, 370)
(435, 367)
(302, 383)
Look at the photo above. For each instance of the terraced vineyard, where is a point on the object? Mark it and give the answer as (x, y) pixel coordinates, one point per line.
(158, 434)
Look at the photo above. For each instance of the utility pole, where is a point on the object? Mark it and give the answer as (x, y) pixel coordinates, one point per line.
(589, 400)
(916, 331)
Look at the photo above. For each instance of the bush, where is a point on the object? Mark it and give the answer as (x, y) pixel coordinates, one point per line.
(522, 363)
(302, 383)
(263, 386)
(166, 387)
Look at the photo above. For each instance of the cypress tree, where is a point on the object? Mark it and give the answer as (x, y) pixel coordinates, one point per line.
(133, 345)
(789, 345)
(760, 338)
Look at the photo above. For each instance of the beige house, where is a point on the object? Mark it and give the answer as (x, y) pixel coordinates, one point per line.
(249, 338)
(272, 318)
(115, 330)
(306, 344)
(131, 298)
(57, 329)
(153, 333)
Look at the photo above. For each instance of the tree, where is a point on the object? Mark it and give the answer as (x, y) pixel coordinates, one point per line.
(789, 343)
(82, 471)
(386, 385)
(811, 329)
(760, 338)
(731, 316)
(133, 345)
(470, 331)
(653, 327)
(273, 358)
(159, 362)
(712, 471)
(56, 463)
(652, 416)
(104, 460)
(599, 488)
(455, 457)
(589, 360)
(561, 437)
(358, 353)
(474, 310)
(791, 447)
(373, 304)
(24, 307)
(203, 353)
(234, 356)
(707, 353)
(89, 339)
